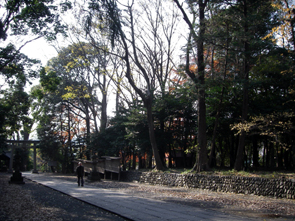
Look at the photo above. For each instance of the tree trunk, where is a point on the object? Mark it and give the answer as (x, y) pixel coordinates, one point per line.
(163, 144)
(139, 161)
(123, 161)
(272, 156)
(202, 158)
(288, 157)
(68, 170)
(88, 154)
(233, 151)
(170, 156)
(241, 147)
(147, 99)
(150, 119)
(117, 101)
(267, 153)
(255, 152)
(212, 160)
(280, 154)
(202, 127)
(104, 116)
(129, 163)
(212, 157)
(150, 163)
(134, 159)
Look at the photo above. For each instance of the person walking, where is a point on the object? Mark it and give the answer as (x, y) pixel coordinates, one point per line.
(80, 174)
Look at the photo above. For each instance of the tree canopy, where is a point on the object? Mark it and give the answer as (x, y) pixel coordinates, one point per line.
(198, 84)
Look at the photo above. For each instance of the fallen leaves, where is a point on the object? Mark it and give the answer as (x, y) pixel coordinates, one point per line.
(249, 205)
(18, 204)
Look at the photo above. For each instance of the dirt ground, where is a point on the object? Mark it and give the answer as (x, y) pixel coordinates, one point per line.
(34, 202)
(239, 204)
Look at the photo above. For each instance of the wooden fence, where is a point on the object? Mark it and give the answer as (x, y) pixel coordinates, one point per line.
(103, 165)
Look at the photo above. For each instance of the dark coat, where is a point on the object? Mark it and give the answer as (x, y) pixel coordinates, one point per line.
(80, 171)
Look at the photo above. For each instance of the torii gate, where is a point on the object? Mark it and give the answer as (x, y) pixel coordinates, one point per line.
(24, 145)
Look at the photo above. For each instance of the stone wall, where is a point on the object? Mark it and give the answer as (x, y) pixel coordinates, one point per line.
(280, 188)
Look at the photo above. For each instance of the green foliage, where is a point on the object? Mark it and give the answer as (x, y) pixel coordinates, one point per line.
(273, 82)
(49, 80)
(3, 133)
(109, 13)
(112, 140)
(16, 67)
(16, 103)
(49, 147)
(176, 119)
(38, 17)
(48, 129)
(65, 82)
(22, 18)
(272, 100)
(46, 110)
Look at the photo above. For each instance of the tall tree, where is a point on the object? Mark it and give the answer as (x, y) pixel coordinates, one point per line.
(75, 65)
(198, 37)
(28, 18)
(255, 23)
(245, 72)
(144, 53)
(22, 22)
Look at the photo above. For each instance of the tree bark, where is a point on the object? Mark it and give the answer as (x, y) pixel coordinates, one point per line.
(202, 156)
(255, 152)
(153, 141)
(212, 160)
(202, 139)
(241, 148)
(147, 98)
(104, 116)
(69, 140)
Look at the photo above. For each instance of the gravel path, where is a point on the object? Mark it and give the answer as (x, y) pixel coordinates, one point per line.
(35, 202)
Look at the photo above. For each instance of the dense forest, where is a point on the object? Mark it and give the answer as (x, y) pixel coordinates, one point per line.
(198, 84)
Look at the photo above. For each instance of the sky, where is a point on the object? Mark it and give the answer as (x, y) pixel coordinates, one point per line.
(39, 49)
(43, 51)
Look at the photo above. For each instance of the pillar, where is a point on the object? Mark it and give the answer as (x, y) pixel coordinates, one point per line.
(35, 160)
(11, 159)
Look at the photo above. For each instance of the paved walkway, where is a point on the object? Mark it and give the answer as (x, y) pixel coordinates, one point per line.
(131, 207)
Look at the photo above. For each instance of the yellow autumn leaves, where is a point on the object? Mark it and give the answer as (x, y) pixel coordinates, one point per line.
(283, 32)
(76, 91)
